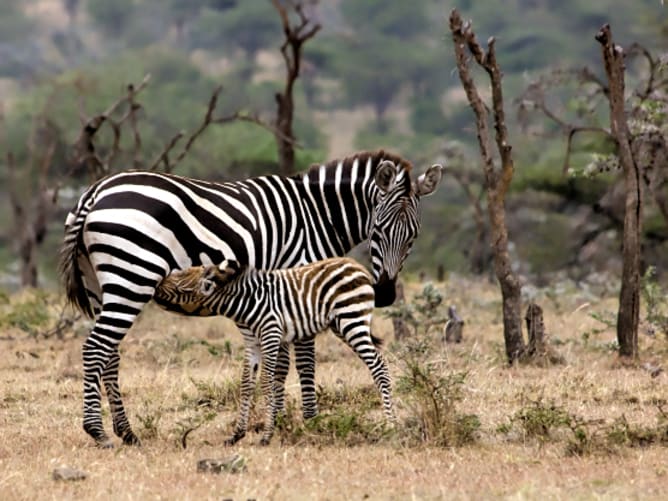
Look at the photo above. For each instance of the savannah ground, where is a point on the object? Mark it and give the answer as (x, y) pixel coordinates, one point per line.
(178, 373)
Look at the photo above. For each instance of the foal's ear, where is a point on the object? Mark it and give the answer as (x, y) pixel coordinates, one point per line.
(230, 268)
(222, 273)
(427, 183)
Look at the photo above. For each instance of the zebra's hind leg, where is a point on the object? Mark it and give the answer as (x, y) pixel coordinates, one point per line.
(100, 357)
(252, 360)
(270, 344)
(305, 362)
(122, 427)
(357, 335)
(282, 368)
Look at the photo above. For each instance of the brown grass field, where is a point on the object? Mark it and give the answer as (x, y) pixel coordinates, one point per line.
(178, 373)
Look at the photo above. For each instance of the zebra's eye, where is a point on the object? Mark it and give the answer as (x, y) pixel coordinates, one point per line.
(207, 287)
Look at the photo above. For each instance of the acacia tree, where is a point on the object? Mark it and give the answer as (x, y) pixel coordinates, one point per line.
(497, 180)
(295, 37)
(637, 135)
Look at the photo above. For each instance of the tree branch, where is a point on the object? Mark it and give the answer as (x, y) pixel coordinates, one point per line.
(85, 152)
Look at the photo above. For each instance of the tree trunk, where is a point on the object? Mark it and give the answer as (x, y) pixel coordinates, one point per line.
(511, 290)
(497, 180)
(284, 140)
(628, 315)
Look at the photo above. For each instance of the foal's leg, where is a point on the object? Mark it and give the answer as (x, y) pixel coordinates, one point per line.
(270, 342)
(252, 359)
(305, 362)
(356, 332)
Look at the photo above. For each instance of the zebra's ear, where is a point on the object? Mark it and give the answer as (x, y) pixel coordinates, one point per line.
(386, 173)
(427, 183)
(229, 268)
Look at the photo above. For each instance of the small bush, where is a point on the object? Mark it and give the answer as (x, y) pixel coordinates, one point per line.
(214, 395)
(538, 420)
(344, 425)
(431, 393)
(656, 302)
(424, 314)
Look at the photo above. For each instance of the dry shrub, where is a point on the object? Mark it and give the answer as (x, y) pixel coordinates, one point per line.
(548, 422)
(346, 424)
(431, 393)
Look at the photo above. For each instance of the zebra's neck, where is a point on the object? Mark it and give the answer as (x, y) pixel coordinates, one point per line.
(243, 297)
(338, 199)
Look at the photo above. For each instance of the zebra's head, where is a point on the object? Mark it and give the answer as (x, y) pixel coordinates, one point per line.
(396, 222)
(218, 276)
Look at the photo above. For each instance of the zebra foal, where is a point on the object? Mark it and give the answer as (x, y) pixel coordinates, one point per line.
(275, 308)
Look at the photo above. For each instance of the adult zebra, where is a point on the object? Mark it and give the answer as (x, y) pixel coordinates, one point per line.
(130, 230)
(276, 307)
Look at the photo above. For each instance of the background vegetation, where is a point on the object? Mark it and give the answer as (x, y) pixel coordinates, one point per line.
(376, 75)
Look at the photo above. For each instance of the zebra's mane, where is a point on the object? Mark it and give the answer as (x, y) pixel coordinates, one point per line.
(363, 157)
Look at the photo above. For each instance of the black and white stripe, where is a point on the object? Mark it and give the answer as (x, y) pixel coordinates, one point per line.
(130, 230)
(275, 308)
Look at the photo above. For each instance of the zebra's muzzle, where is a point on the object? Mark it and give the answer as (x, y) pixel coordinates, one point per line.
(384, 290)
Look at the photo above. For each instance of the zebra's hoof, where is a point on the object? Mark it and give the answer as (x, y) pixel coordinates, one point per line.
(265, 441)
(104, 444)
(131, 439)
(234, 439)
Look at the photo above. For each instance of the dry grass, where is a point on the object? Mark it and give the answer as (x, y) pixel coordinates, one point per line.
(179, 373)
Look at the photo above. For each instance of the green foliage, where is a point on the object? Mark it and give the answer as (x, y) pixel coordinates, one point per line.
(609, 321)
(111, 17)
(427, 117)
(655, 298)
(30, 313)
(545, 422)
(430, 391)
(249, 26)
(538, 419)
(396, 19)
(149, 419)
(346, 423)
(213, 395)
(423, 314)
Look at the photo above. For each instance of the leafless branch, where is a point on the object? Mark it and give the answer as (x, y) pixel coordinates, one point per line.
(295, 37)
(85, 152)
(635, 49)
(209, 118)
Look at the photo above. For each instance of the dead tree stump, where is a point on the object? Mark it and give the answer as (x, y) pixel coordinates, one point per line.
(538, 350)
(454, 327)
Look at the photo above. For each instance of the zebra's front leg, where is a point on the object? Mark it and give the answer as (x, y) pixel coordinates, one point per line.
(122, 427)
(305, 363)
(252, 359)
(270, 344)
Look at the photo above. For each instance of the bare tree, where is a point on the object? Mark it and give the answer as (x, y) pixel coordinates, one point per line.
(641, 154)
(497, 180)
(295, 37)
(628, 315)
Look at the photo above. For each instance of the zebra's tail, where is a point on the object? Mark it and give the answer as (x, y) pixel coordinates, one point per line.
(69, 269)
